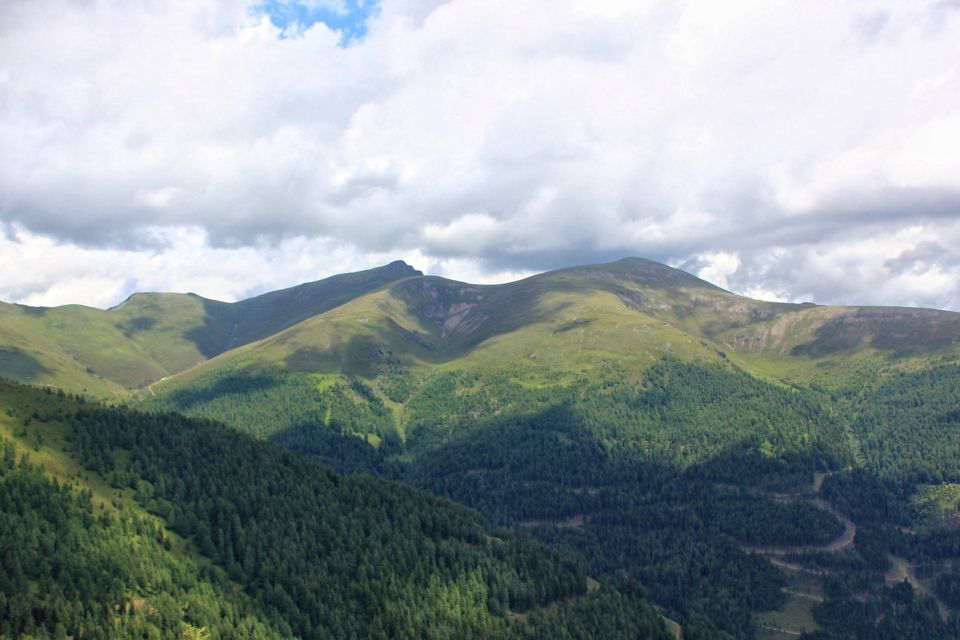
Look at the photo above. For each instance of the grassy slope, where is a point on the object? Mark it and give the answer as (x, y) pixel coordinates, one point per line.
(31, 351)
(552, 327)
(564, 324)
(44, 443)
(153, 335)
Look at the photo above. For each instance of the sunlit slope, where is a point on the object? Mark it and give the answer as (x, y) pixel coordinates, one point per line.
(111, 553)
(154, 335)
(31, 350)
(566, 323)
(266, 314)
(562, 323)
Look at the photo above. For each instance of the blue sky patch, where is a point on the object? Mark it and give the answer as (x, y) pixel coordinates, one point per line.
(349, 17)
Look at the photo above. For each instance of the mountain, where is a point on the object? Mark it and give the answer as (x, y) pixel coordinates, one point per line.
(154, 335)
(748, 467)
(566, 322)
(661, 427)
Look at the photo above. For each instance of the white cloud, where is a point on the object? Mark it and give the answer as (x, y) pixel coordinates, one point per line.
(719, 267)
(805, 142)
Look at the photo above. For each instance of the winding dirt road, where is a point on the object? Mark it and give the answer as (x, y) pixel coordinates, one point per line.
(841, 543)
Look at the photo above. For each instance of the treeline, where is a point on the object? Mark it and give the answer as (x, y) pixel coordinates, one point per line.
(677, 414)
(684, 413)
(264, 403)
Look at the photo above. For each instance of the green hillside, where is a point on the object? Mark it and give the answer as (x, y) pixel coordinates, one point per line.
(83, 558)
(557, 324)
(153, 335)
(550, 332)
(568, 322)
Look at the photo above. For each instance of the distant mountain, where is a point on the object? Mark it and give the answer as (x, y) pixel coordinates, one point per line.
(563, 321)
(153, 335)
(568, 321)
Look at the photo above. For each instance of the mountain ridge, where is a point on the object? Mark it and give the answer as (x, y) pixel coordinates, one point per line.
(151, 336)
(630, 308)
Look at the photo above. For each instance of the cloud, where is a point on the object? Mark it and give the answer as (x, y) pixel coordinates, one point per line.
(786, 150)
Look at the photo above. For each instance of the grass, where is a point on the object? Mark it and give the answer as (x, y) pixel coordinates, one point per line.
(803, 592)
(153, 335)
(557, 327)
(673, 627)
(936, 503)
(44, 443)
(793, 617)
(551, 329)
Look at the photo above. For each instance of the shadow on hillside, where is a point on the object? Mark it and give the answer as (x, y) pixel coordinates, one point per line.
(234, 384)
(552, 464)
(230, 325)
(465, 316)
(345, 453)
(366, 354)
(361, 356)
(136, 325)
(17, 364)
(213, 337)
(899, 331)
(38, 312)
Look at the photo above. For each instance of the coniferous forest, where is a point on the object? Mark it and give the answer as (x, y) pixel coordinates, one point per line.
(278, 546)
(685, 482)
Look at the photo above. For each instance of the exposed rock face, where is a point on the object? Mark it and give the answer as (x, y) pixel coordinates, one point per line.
(451, 306)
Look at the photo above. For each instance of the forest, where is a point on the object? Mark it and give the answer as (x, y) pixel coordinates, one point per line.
(480, 505)
(292, 548)
(666, 481)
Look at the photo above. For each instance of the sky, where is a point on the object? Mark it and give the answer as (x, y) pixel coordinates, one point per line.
(801, 151)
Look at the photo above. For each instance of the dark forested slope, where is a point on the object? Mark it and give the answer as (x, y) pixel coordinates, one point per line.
(310, 553)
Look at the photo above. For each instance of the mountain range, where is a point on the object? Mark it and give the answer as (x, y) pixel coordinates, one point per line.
(564, 321)
(618, 450)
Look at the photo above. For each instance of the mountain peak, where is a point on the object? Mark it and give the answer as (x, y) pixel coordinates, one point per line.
(401, 269)
(642, 270)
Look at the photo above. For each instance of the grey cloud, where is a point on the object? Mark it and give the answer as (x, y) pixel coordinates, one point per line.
(870, 25)
(652, 133)
(844, 217)
(361, 186)
(921, 256)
